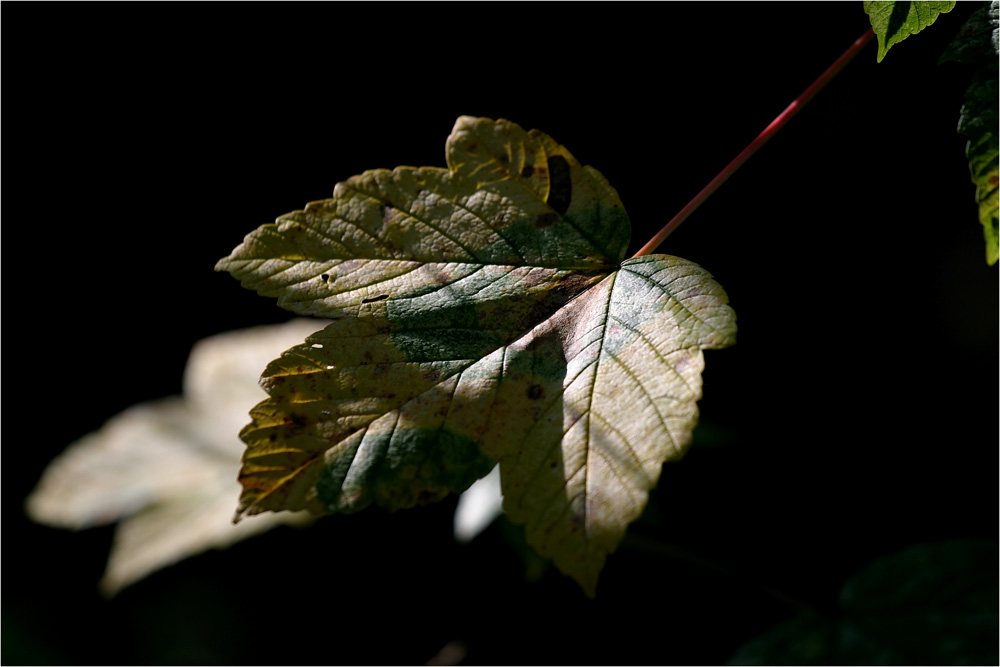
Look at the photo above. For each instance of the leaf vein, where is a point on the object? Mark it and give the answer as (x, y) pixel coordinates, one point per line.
(410, 214)
(651, 401)
(659, 356)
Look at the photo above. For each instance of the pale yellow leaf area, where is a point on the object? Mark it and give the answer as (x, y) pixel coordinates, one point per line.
(167, 470)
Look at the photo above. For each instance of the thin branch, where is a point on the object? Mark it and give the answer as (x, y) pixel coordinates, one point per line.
(764, 136)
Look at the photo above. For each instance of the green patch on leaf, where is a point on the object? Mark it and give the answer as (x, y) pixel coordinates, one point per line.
(483, 314)
(895, 21)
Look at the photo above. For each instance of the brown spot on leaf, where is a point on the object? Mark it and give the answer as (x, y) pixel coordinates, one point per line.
(295, 423)
(433, 375)
(325, 277)
(527, 171)
(560, 184)
(994, 179)
(576, 282)
(534, 276)
(535, 392)
(380, 297)
(568, 286)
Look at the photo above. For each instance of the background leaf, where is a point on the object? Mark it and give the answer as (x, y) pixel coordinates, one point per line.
(979, 111)
(478, 506)
(983, 165)
(895, 21)
(166, 470)
(929, 604)
(976, 43)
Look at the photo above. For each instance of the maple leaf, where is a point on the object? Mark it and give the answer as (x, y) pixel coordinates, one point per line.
(482, 313)
(166, 470)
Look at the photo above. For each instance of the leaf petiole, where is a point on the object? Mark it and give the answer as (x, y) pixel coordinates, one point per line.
(764, 136)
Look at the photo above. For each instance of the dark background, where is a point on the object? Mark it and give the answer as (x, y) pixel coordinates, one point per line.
(857, 414)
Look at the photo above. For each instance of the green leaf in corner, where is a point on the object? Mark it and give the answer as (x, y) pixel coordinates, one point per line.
(483, 314)
(983, 165)
(976, 43)
(895, 21)
(979, 108)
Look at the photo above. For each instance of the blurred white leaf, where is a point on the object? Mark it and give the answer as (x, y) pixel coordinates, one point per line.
(478, 506)
(167, 469)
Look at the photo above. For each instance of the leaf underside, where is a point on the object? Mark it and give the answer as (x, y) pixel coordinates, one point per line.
(895, 21)
(483, 314)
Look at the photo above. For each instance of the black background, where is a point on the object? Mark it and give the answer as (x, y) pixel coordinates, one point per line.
(857, 414)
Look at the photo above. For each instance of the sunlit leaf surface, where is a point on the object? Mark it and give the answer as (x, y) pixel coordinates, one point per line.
(483, 314)
(895, 21)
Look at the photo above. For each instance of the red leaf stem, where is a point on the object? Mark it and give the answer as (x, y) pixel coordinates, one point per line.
(764, 136)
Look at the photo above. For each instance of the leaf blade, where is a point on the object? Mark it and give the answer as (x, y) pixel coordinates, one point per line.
(505, 344)
(620, 347)
(165, 470)
(895, 21)
(392, 223)
(984, 168)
